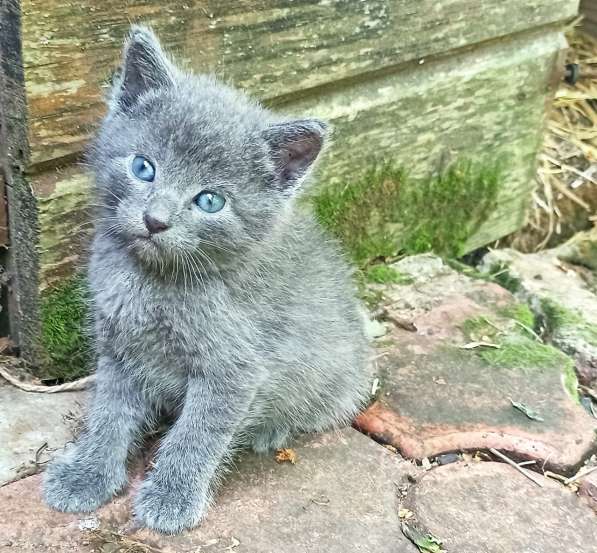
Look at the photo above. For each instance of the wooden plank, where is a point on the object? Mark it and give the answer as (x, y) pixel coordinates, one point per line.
(20, 292)
(588, 8)
(485, 104)
(272, 48)
(63, 200)
(3, 212)
(482, 104)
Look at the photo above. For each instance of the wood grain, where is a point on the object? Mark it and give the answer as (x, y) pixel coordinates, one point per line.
(275, 49)
(20, 288)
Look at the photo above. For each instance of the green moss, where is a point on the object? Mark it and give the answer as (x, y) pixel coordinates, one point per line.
(385, 212)
(521, 352)
(64, 336)
(441, 213)
(519, 312)
(518, 349)
(558, 318)
(500, 273)
(478, 327)
(358, 212)
(570, 380)
(465, 269)
(383, 274)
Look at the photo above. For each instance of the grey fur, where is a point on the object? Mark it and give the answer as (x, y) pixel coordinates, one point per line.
(242, 324)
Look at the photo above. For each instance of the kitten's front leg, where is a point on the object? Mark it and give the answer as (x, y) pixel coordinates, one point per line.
(90, 472)
(176, 493)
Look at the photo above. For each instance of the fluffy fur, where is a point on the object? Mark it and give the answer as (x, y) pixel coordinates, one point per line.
(241, 324)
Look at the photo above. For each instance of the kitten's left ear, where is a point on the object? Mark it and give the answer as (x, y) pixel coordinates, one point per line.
(294, 147)
(144, 67)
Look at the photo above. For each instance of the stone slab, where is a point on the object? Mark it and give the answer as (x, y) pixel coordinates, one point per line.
(587, 489)
(30, 420)
(437, 397)
(490, 507)
(339, 496)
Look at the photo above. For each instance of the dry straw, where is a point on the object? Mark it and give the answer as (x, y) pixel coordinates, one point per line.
(565, 198)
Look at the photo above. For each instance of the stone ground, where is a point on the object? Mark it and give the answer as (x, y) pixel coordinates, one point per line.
(477, 437)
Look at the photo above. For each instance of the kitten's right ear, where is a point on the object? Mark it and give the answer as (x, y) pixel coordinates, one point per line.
(144, 67)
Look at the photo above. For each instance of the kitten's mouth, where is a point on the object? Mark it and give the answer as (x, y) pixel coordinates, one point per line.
(144, 241)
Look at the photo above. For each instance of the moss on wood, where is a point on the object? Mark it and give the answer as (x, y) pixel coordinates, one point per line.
(385, 212)
(273, 48)
(66, 342)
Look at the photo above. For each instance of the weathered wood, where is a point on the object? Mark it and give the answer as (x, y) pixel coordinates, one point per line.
(588, 8)
(483, 104)
(272, 48)
(63, 197)
(3, 213)
(20, 281)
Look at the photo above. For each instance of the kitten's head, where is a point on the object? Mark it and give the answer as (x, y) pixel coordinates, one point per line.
(187, 168)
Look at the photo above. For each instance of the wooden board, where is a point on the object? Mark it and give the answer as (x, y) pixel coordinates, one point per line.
(275, 49)
(20, 261)
(484, 103)
(588, 8)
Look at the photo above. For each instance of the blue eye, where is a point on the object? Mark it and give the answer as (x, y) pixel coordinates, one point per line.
(143, 169)
(210, 201)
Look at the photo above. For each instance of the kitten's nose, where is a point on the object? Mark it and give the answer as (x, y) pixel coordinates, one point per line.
(154, 225)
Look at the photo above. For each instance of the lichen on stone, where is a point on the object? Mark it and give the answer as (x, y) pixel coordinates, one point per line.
(516, 346)
(562, 321)
(521, 313)
(381, 273)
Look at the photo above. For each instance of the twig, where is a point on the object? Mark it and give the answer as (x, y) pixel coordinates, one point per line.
(569, 168)
(589, 391)
(555, 476)
(81, 384)
(580, 474)
(474, 345)
(514, 465)
(529, 330)
(487, 321)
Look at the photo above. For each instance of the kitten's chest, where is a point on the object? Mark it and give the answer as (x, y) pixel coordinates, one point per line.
(161, 325)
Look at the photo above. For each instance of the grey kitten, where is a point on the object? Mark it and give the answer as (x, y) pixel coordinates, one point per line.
(216, 302)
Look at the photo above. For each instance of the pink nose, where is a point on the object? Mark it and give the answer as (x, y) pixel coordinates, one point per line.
(154, 225)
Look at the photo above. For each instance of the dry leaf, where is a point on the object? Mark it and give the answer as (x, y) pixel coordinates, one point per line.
(530, 413)
(473, 345)
(285, 455)
(405, 513)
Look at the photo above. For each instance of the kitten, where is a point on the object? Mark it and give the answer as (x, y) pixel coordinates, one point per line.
(215, 301)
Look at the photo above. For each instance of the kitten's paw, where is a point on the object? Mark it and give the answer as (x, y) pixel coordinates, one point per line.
(71, 485)
(269, 439)
(169, 508)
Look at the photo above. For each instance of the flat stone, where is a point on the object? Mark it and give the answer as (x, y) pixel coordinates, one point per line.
(437, 397)
(581, 249)
(543, 277)
(491, 507)
(588, 489)
(339, 496)
(30, 420)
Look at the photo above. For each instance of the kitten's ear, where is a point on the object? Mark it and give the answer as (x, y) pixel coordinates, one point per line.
(144, 67)
(294, 147)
